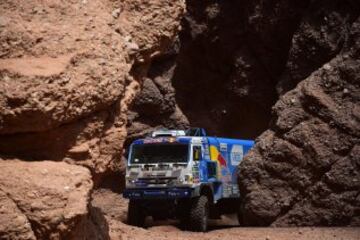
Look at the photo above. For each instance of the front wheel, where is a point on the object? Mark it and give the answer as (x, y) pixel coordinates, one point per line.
(199, 214)
(136, 215)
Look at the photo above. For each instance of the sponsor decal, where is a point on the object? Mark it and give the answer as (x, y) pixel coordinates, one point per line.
(223, 147)
(159, 140)
(237, 154)
(216, 156)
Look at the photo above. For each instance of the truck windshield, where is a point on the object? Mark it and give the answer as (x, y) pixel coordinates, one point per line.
(159, 153)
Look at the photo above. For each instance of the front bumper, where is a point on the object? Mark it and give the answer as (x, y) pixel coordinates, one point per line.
(158, 193)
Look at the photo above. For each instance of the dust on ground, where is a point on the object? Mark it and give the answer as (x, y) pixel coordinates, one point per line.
(114, 207)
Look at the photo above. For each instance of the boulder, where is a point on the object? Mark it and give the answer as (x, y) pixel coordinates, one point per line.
(69, 72)
(43, 200)
(304, 170)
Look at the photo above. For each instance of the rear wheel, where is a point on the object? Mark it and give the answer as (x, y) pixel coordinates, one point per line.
(199, 214)
(136, 215)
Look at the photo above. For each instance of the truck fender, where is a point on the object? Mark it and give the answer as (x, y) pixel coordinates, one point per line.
(205, 189)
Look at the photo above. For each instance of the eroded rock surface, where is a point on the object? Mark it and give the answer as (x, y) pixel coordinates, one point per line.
(155, 105)
(305, 170)
(66, 80)
(43, 200)
(321, 35)
(68, 74)
(231, 56)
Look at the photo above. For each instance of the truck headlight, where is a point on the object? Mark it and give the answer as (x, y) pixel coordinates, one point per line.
(188, 178)
(130, 180)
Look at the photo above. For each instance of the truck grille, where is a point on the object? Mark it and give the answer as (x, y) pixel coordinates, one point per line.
(158, 180)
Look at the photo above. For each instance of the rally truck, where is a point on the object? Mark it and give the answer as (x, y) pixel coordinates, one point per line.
(185, 175)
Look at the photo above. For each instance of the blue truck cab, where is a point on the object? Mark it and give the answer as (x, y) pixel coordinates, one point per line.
(185, 175)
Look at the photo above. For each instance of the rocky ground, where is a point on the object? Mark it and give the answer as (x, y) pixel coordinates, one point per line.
(80, 79)
(115, 209)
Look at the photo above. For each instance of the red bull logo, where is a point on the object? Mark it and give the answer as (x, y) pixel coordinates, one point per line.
(215, 155)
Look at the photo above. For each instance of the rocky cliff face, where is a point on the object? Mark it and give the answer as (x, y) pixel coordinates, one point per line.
(68, 73)
(305, 170)
(231, 56)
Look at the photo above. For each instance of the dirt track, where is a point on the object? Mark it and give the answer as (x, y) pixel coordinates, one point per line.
(170, 232)
(114, 208)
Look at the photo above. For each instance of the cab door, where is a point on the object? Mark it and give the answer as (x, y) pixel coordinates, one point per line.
(196, 156)
(207, 168)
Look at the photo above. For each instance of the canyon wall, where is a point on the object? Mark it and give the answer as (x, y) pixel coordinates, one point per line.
(68, 73)
(305, 169)
(286, 71)
(79, 80)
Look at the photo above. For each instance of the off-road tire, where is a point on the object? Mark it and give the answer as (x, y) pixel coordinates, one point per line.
(199, 214)
(136, 215)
